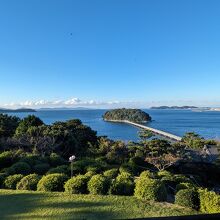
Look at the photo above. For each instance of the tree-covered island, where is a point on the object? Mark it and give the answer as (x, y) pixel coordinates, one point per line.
(133, 115)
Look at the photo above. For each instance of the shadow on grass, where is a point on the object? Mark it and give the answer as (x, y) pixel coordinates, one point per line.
(33, 206)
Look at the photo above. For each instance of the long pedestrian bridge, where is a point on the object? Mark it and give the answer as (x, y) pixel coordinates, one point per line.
(155, 131)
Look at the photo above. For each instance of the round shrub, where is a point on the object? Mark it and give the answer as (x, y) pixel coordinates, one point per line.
(150, 189)
(77, 185)
(164, 173)
(52, 182)
(89, 174)
(6, 159)
(2, 179)
(184, 186)
(59, 169)
(11, 181)
(28, 182)
(122, 185)
(98, 185)
(30, 159)
(41, 168)
(93, 169)
(56, 160)
(19, 168)
(125, 168)
(111, 174)
(187, 198)
(146, 174)
(179, 178)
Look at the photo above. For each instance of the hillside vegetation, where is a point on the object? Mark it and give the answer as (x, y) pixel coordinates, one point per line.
(134, 115)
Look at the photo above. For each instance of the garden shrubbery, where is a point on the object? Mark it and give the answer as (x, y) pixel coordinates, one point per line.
(6, 159)
(28, 182)
(150, 189)
(41, 168)
(184, 186)
(19, 168)
(187, 198)
(56, 160)
(111, 174)
(77, 185)
(52, 182)
(59, 169)
(209, 201)
(10, 182)
(122, 185)
(98, 184)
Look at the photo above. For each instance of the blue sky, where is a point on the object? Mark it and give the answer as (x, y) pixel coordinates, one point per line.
(109, 52)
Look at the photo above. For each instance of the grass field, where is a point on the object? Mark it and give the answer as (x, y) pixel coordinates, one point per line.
(36, 205)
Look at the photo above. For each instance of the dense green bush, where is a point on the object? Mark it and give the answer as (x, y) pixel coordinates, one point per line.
(41, 168)
(56, 160)
(150, 189)
(28, 182)
(19, 168)
(125, 167)
(90, 174)
(52, 182)
(6, 159)
(209, 201)
(93, 168)
(122, 185)
(164, 173)
(147, 174)
(181, 186)
(111, 174)
(2, 179)
(60, 169)
(187, 198)
(77, 185)
(31, 159)
(98, 184)
(11, 181)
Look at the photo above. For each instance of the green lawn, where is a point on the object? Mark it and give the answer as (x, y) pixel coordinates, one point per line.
(36, 205)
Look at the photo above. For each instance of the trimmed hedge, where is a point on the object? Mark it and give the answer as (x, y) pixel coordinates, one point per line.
(98, 185)
(122, 185)
(150, 189)
(111, 174)
(187, 198)
(60, 169)
(77, 185)
(19, 168)
(52, 182)
(209, 201)
(28, 182)
(181, 186)
(11, 181)
(6, 159)
(41, 168)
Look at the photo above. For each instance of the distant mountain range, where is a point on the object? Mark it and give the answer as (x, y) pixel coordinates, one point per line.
(4, 110)
(175, 107)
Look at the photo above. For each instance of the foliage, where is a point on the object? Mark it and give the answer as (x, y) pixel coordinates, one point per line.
(145, 134)
(98, 184)
(41, 168)
(147, 174)
(111, 174)
(150, 189)
(19, 168)
(56, 160)
(77, 185)
(59, 169)
(162, 154)
(6, 159)
(2, 178)
(52, 182)
(187, 198)
(28, 182)
(184, 185)
(122, 185)
(11, 181)
(209, 201)
(8, 125)
(193, 140)
(27, 122)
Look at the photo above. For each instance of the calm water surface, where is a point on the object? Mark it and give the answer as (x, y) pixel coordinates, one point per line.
(177, 122)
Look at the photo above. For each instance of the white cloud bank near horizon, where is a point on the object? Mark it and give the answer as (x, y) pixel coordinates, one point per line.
(76, 102)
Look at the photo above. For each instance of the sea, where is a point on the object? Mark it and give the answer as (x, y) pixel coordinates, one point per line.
(178, 122)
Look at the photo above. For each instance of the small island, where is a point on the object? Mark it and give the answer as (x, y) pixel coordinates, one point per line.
(175, 107)
(4, 110)
(132, 115)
